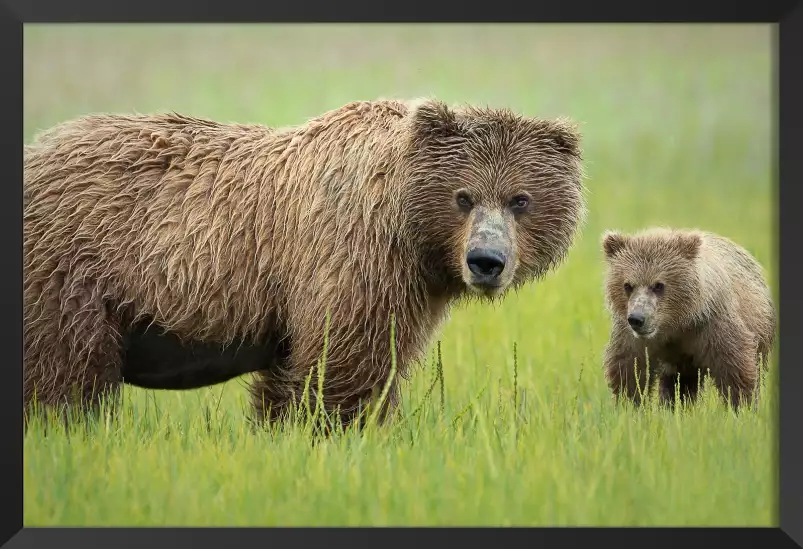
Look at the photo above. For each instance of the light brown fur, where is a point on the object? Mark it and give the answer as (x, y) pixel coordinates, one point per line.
(233, 233)
(714, 313)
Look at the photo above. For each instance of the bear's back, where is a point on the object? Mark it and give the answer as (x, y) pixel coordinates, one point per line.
(743, 279)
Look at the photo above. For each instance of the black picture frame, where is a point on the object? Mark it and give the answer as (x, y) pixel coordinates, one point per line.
(788, 15)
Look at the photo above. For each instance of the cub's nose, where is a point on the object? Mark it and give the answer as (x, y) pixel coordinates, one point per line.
(636, 320)
(485, 264)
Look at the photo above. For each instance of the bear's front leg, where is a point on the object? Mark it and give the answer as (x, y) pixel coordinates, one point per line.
(686, 383)
(731, 357)
(355, 372)
(275, 393)
(625, 367)
(667, 383)
(387, 407)
(271, 396)
(679, 378)
(351, 347)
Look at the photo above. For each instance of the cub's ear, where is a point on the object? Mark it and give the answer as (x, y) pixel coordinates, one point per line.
(688, 244)
(432, 118)
(613, 242)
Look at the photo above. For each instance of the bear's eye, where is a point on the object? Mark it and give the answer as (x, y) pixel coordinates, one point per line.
(463, 200)
(519, 202)
(628, 288)
(658, 287)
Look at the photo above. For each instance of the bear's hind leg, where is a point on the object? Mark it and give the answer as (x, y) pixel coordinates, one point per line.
(72, 349)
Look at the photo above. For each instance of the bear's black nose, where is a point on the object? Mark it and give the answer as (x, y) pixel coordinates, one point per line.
(636, 320)
(485, 264)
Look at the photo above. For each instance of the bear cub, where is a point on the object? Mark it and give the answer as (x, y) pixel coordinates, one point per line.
(689, 302)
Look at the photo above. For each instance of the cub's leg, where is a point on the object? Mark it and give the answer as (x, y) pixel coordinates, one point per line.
(731, 356)
(625, 368)
(685, 382)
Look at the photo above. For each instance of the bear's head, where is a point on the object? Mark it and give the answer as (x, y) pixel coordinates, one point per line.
(652, 281)
(493, 199)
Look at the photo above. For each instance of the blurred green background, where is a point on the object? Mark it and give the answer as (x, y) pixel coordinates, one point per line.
(677, 124)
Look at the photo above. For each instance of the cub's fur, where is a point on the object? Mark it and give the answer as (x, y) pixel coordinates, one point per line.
(694, 301)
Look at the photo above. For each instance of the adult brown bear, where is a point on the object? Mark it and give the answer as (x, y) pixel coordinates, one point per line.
(173, 252)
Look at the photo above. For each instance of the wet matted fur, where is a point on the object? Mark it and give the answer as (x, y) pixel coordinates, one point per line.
(235, 240)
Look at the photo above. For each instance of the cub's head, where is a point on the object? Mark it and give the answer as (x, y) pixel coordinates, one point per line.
(495, 199)
(651, 282)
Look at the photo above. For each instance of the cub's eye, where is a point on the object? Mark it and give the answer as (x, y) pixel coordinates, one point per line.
(628, 288)
(520, 202)
(463, 200)
(658, 287)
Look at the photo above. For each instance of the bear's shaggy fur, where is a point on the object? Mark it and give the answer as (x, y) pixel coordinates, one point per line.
(236, 240)
(695, 302)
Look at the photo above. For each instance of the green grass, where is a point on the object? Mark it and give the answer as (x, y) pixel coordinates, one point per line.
(677, 125)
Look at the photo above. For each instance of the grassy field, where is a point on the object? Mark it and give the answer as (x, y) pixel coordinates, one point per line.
(677, 125)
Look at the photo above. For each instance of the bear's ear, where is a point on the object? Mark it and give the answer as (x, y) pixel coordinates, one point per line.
(432, 118)
(613, 242)
(565, 136)
(688, 245)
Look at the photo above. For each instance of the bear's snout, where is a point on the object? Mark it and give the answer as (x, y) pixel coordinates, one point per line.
(636, 320)
(485, 265)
